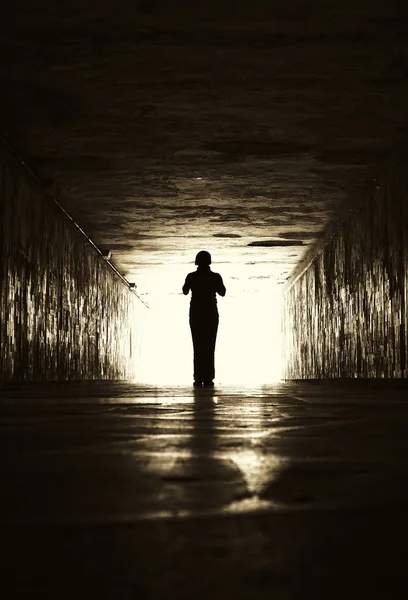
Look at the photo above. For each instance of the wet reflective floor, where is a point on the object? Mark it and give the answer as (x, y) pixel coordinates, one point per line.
(124, 491)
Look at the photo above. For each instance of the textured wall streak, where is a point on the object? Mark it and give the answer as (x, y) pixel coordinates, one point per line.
(345, 315)
(64, 313)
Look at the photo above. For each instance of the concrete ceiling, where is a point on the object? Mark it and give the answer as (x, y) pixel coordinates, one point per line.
(169, 127)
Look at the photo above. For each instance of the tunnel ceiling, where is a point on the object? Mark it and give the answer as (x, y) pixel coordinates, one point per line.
(168, 127)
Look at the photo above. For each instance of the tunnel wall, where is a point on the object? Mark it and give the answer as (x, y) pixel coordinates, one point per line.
(345, 306)
(64, 312)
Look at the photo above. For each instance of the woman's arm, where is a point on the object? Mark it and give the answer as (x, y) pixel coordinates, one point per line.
(186, 286)
(220, 286)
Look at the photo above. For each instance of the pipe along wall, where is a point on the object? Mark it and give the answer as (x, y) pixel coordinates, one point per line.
(64, 312)
(345, 307)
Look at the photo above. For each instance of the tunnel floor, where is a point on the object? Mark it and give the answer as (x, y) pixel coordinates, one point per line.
(122, 491)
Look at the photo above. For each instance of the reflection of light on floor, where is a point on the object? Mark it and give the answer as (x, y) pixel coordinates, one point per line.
(248, 345)
(249, 505)
(257, 470)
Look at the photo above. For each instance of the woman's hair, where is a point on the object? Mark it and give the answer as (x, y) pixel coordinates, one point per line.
(203, 259)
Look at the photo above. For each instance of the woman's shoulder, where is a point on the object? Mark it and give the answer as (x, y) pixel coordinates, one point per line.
(191, 277)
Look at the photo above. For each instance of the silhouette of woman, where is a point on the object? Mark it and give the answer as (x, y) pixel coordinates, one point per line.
(204, 285)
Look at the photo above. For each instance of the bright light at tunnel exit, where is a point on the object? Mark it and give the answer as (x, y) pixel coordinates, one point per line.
(249, 341)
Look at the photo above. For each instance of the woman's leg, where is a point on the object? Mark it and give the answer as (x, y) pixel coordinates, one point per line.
(204, 329)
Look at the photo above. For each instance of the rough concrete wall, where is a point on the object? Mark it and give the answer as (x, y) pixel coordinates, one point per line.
(64, 313)
(345, 307)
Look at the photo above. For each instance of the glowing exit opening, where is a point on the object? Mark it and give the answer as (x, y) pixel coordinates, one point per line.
(249, 341)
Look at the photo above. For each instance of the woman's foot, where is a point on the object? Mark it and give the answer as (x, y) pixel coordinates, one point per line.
(208, 383)
(197, 384)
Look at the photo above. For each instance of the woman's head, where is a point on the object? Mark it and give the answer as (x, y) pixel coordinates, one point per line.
(203, 259)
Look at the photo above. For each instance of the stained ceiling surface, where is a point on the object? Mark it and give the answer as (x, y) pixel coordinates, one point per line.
(167, 127)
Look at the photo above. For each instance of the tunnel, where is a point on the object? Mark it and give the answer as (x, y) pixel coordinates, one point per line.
(273, 135)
